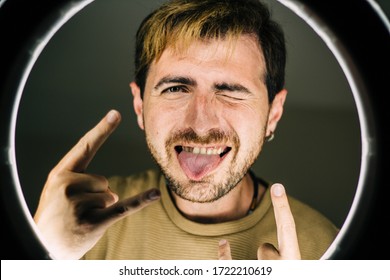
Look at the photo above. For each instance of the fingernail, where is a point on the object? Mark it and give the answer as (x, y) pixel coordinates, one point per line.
(112, 117)
(277, 190)
(154, 194)
(222, 242)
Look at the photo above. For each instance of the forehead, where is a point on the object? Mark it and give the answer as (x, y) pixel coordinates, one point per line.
(242, 51)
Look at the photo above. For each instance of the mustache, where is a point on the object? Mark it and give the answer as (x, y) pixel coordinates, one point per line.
(213, 136)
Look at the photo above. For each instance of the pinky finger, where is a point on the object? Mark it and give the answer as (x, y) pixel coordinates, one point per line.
(123, 208)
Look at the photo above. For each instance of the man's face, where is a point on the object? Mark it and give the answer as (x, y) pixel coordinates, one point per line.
(205, 113)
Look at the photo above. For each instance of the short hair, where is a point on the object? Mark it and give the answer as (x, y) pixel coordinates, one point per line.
(191, 20)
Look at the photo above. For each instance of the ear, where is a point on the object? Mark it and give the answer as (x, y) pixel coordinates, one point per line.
(137, 103)
(276, 111)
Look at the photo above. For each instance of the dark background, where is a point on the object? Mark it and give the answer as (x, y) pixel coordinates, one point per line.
(85, 70)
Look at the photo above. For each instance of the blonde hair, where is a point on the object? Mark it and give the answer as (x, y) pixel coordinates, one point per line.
(177, 23)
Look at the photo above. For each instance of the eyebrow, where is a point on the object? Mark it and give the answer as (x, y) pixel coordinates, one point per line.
(175, 79)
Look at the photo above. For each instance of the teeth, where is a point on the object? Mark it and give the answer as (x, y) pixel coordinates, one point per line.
(203, 150)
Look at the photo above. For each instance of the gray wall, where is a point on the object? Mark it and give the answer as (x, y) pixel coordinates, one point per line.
(85, 70)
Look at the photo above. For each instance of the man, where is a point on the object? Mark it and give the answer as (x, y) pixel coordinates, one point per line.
(208, 92)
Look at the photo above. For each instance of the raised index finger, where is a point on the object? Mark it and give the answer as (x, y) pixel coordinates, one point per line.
(78, 158)
(286, 231)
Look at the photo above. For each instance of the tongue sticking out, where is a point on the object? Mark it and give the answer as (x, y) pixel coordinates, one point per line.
(196, 166)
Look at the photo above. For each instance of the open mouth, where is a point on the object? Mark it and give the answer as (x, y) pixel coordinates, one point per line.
(221, 151)
(198, 161)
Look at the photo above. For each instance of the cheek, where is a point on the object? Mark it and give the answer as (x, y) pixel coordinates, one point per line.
(250, 128)
(250, 134)
(165, 112)
(249, 120)
(158, 123)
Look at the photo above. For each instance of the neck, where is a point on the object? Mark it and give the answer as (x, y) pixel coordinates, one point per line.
(232, 206)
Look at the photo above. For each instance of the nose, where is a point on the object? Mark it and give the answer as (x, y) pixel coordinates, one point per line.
(202, 114)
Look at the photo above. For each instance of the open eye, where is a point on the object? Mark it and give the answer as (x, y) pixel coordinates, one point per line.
(175, 89)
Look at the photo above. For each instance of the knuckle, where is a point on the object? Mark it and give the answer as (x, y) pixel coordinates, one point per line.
(84, 147)
(54, 176)
(127, 206)
(59, 180)
(283, 206)
(135, 203)
(110, 200)
(106, 200)
(103, 181)
(287, 227)
(121, 209)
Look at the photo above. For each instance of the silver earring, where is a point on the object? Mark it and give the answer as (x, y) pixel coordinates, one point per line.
(270, 137)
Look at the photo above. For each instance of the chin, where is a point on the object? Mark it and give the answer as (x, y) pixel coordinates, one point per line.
(206, 190)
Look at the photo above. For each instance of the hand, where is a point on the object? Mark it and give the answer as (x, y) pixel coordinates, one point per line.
(286, 232)
(76, 208)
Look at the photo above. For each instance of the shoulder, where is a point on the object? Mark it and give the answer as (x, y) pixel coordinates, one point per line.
(308, 216)
(315, 231)
(125, 186)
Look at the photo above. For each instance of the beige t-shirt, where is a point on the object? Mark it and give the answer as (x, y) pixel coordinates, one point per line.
(159, 231)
